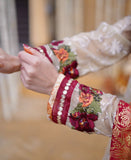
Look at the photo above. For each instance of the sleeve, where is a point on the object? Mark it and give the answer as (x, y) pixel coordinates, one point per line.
(90, 110)
(81, 107)
(89, 51)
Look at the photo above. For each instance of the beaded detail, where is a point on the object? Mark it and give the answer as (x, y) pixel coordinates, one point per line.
(62, 100)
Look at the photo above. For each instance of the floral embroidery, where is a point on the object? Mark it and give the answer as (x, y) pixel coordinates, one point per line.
(85, 99)
(86, 112)
(56, 43)
(115, 47)
(83, 121)
(61, 54)
(67, 58)
(70, 70)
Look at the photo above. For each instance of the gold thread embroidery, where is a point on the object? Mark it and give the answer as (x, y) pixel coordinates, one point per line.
(121, 135)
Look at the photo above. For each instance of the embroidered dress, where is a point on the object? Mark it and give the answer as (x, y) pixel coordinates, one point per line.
(84, 108)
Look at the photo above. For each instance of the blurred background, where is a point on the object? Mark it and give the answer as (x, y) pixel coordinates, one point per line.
(25, 132)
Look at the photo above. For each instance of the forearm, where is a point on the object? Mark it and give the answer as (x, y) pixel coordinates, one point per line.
(15, 64)
(8, 63)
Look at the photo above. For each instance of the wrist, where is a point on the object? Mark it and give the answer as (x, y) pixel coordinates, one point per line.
(53, 83)
(15, 64)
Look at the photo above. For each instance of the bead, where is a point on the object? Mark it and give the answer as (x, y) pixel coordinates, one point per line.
(41, 50)
(66, 87)
(70, 81)
(62, 100)
(63, 96)
(59, 113)
(61, 104)
(60, 109)
(68, 84)
(64, 92)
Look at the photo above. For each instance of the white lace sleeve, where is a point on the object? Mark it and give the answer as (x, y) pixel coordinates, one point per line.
(102, 47)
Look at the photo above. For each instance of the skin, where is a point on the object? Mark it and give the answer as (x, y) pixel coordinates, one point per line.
(8, 63)
(31, 66)
(37, 65)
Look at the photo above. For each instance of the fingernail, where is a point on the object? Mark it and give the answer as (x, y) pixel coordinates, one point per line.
(27, 48)
(25, 45)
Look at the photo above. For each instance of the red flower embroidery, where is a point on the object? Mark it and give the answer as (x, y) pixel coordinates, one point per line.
(83, 121)
(56, 43)
(70, 70)
(61, 54)
(85, 99)
(90, 90)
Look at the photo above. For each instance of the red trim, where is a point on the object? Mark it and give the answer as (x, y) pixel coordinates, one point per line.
(58, 97)
(67, 102)
(46, 53)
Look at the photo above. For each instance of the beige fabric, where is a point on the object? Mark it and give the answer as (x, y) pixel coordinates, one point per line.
(102, 47)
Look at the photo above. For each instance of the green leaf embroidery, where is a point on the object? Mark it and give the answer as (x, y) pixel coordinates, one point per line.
(94, 107)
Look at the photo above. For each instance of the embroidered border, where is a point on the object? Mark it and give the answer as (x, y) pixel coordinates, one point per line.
(53, 95)
(82, 117)
(62, 100)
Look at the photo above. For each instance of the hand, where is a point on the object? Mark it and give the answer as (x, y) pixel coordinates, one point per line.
(37, 73)
(8, 63)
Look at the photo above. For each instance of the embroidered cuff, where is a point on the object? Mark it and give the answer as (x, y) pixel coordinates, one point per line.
(61, 55)
(87, 104)
(59, 102)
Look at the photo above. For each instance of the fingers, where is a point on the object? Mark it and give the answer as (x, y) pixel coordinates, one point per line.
(25, 57)
(31, 50)
(29, 55)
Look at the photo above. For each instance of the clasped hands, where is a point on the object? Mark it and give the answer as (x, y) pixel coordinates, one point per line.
(37, 73)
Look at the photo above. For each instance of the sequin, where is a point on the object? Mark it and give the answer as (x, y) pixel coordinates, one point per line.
(66, 87)
(59, 113)
(68, 84)
(60, 109)
(64, 92)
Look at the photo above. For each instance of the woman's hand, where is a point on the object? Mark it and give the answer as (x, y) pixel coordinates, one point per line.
(37, 73)
(8, 63)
